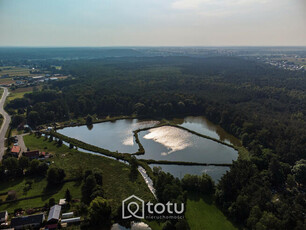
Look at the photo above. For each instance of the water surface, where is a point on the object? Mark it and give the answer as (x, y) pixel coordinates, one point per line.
(179, 171)
(164, 143)
(114, 136)
(174, 144)
(203, 126)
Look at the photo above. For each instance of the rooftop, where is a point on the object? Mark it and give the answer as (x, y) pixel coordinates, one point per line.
(27, 220)
(54, 213)
(15, 149)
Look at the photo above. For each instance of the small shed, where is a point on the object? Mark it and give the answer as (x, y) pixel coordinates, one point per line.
(71, 220)
(67, 215)
(62, 202)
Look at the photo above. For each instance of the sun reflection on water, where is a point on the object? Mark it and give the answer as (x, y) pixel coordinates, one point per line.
(172, 138)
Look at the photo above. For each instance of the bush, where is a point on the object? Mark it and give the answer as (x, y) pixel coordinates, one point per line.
(11, 195)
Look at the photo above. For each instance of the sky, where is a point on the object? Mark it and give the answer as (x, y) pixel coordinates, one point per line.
(152, 23)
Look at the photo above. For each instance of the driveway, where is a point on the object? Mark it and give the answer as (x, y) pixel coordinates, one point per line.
(21, 143)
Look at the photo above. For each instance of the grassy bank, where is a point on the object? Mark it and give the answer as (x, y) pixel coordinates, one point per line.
(117, 184)
(202, 214)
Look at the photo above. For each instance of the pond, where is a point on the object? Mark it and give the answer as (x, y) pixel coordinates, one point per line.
(179, 171)
(164, 143)
(175, 144)
(112, 135)
(203, 126)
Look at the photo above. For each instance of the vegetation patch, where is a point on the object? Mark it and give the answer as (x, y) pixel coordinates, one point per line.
(203, 214)
(117, 184)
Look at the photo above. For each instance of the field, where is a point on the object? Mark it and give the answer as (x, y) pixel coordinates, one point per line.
(18, 93)
(38, 188)
(14, 71)
(116, 182)
(202, 214)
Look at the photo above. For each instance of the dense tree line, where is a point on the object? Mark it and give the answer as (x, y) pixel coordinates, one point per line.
(262, 105)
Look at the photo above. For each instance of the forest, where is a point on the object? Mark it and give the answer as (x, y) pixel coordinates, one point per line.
(262, 105)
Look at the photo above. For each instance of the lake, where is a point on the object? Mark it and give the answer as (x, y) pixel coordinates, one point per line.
(179, 171)
(175, 144)
(203, 126)
(112, 135)
(164, 143)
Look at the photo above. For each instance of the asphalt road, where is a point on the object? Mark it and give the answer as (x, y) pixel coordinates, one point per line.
(5, 124)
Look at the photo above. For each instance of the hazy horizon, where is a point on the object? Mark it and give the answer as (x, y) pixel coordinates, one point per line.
(153, 23)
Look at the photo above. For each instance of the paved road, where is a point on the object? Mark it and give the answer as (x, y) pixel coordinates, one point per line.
(5, 124)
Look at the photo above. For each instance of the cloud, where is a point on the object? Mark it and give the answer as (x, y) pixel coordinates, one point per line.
(189, 4)
(198, 4)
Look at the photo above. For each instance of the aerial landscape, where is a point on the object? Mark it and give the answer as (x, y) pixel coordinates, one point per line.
(103, 129)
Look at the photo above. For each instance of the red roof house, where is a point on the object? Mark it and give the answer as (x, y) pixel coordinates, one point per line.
(15, 149)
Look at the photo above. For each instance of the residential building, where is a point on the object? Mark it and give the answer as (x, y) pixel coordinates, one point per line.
(15, 150)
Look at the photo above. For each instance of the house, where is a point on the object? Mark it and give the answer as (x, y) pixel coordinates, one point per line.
(54, 214)
(23, 222)
(3, 217)
(32, 154)
(15, 150)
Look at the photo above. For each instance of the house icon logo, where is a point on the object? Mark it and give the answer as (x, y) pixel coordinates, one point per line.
(133, 206)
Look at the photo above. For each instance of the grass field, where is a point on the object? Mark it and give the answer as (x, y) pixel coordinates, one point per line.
(18, 93)
(116, 182)
(202, 214)
(14, 71)
(38, 188)
(6, 81)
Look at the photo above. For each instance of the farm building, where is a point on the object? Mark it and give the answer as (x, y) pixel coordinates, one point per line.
(54, 214)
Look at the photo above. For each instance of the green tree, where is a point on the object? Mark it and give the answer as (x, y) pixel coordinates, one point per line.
(254, 217)
(68, 195)
(299, 171)
(98, 176)
(134, 168)
(87, 188)
(51, 202)
(23, 162)
(55, 176)
(268, 221)
(88, 120)
(10, 163)
(99, 212)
